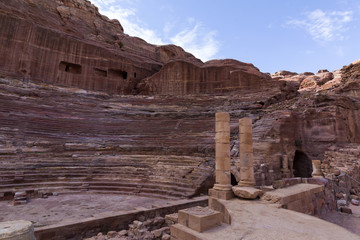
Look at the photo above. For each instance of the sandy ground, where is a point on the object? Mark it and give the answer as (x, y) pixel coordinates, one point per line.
(349, 221)
(54, 209)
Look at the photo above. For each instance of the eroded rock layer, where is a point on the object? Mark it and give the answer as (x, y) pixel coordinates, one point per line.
(68, 43)
(217, 76)
(68, 139)
(65, 128)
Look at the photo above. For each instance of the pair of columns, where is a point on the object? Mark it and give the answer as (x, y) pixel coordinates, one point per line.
(222, 153)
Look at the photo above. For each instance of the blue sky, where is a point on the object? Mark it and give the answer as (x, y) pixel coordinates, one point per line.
(294, 35)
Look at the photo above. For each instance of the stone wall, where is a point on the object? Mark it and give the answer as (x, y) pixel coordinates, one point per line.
(313, 196)
(114, 221)
(341, 165)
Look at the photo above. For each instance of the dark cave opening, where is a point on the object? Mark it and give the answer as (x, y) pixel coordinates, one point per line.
(233, 180)
(302, 165)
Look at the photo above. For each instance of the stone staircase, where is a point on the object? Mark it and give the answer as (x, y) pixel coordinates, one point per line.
(145, 175)
(69, 141)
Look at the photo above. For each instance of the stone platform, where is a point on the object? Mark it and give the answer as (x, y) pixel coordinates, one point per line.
(84, 215)
(262, 220)
(304, 198)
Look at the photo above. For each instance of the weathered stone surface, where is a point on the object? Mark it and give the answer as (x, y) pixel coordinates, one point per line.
(222, 152)
(103, 143)
(17, 230)
(247, 192)
(220, 76)
(78, 46)
(306, 198)
(309, 82)
(170, 138)
(267, 221)
(346, 210)
(351, 79)
(341, 203)
(200, 219)
(354, 202)
(246, 162)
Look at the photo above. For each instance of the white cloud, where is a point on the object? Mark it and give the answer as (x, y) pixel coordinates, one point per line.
(196, 39)
(128, 19)
(325, 26)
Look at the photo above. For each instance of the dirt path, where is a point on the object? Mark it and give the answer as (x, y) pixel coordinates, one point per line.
(349, 221)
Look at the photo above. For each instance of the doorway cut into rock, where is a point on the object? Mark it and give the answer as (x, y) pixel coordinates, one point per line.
(302, 165)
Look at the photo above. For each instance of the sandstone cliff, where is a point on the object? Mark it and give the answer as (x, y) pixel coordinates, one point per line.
(86, 107)
(217, 76)
(69, 43)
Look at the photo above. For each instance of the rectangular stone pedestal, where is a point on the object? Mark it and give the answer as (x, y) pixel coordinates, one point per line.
(180, 232)
(199, 219)
(225, 195)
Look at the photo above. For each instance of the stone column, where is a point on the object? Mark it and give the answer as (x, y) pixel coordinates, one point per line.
(285, 166)
(222, 152)
(247, 178)
(317, 173)
(222, 187)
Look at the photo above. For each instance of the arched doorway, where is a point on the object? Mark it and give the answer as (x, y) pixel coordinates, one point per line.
(302, 165)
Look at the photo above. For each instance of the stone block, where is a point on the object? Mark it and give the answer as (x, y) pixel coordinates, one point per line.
(346, 210)
(225, 195)
(295, 206)
(291, 197)
(20, 195)
(318, 181)
(355, 202)
(222, 117)
(222, 128)
(222, 151)
(246, 159)
(341, 203)
(356, 197)
(245, 125)
(180, 232)
(222, 164)
(19, 202)
(222, 137)
(247, 192)
(278, 184)
(172, 217)
(17, 230)
(199, 219)
(246, 141)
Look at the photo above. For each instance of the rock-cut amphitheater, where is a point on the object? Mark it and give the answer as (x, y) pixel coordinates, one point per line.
(105, 136)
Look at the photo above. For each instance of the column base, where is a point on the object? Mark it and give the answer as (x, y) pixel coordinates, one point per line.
(318, 176)
(221, 194)
(246, 183)
(222, 187)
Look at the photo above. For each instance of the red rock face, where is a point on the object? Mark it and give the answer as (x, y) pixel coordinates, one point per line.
(68, 43)
(351, 79)
(221, 76)
(55, 137)
(63, 140)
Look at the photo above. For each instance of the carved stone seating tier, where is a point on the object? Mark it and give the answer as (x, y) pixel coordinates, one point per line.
(71, 142)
